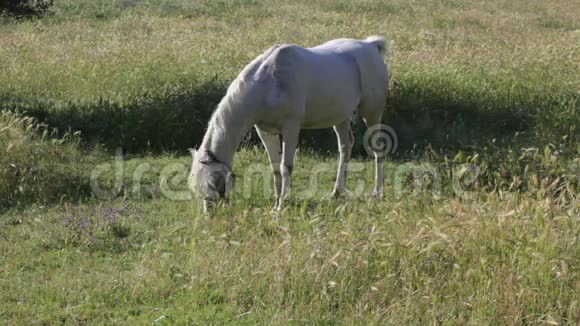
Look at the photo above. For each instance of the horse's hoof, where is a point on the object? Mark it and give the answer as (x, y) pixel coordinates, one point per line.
(277, 206)
(332, 196)
(340, 194)
(275, 213)
(377, 194)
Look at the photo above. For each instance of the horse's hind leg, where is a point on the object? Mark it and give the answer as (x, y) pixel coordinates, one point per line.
(373, 119)
(273, 146)
(345, 142)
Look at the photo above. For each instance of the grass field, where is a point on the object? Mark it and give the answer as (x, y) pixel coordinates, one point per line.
(488, 86)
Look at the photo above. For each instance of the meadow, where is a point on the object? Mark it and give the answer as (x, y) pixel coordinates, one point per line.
(483, 93)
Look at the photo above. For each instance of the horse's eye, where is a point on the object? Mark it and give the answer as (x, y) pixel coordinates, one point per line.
(218, 183)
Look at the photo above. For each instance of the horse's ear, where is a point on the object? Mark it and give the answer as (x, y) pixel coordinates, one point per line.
(193, 151)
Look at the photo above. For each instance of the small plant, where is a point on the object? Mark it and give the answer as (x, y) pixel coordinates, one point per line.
(98, 226)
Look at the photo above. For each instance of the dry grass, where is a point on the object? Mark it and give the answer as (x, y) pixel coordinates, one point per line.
(126, 55)
(494, 259)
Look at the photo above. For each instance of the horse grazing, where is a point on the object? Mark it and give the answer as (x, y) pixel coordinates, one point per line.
(285, 89)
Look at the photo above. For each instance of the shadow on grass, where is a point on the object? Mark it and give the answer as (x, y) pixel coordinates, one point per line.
(435, 121)
(150, 124)
(177, 121)
(422, 117)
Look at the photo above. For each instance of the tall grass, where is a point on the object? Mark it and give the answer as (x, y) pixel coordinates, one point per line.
(38, 167)
(502, 258)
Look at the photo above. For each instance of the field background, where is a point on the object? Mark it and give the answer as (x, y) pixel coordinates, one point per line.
(494, 84)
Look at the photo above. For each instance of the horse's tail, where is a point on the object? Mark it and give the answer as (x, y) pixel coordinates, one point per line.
(377, 41)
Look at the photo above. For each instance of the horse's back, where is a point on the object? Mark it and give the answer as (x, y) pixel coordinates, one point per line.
(322, 83)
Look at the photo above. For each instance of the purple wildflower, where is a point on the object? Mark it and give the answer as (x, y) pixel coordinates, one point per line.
(84, 223)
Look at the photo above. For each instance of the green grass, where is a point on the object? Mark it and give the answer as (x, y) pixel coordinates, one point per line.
(113, 62)
(478, 86)
(492, 258)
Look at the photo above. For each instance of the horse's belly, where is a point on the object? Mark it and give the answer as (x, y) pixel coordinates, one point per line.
(328, 108)
(324, 116)
(313, 118)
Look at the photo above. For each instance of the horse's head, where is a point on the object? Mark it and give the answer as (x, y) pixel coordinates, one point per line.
(209, 178)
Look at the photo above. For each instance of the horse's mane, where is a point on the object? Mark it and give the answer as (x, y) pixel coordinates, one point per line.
(238, 86)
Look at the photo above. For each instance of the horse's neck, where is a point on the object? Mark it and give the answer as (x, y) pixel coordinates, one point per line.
(225, 133)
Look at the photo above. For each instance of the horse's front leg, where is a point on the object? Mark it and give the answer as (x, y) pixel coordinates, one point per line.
(290, 134)
(273, 144)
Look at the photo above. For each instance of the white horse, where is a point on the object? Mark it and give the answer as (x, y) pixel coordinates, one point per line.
(285, 89)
